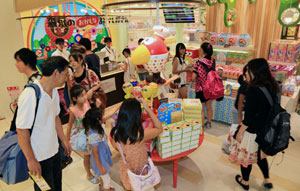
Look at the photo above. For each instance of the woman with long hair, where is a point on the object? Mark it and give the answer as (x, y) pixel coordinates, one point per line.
(246, 151)
(181, 68)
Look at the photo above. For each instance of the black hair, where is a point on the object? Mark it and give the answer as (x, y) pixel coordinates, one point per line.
(77, 55)
(140, 40)
(179, 46)
(76, 91)
(127, 50)
(107, 39)
(207, 49)
(28, 57)
(86, 43)
(92, 120)
(59, 41)
(129, 123)
(262, 77)
(53, 63)
(168, 48)
(241, 77)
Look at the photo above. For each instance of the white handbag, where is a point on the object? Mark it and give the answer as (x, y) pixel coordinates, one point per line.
(142, 182)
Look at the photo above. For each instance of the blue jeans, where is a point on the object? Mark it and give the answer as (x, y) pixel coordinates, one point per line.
(143, 76)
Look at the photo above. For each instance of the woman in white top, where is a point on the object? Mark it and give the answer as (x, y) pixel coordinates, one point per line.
(180, 68)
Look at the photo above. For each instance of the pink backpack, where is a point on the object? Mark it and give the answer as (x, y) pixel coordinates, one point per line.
(213, 87)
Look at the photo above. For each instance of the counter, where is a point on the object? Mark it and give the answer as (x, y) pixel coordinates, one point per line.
(112, 85)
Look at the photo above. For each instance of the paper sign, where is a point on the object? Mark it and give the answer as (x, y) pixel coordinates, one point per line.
(165, 110)
(109, 85)
(41, 182)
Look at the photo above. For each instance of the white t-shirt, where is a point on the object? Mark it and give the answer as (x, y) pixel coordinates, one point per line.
(43, 139)
(111, 53)
(182, 74)
(130, 70)
(65, 54)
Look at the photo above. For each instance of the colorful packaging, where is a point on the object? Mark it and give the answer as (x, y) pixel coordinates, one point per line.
(281, 53)
(233, 39)
(186, 127)
(176, 152)
(285, 90)
(176, 142)
(166, 132)
(223, 39)
(244, 40)
(175, 129)
(273, 51)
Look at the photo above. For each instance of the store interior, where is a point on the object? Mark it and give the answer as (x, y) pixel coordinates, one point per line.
(238, 30)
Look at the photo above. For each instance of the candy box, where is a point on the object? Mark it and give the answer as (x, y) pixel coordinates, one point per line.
(282, 48)
(175, 129)
(176, 142)
(291, 90)
(195, 137)
(196, 132)
(273, 51)
(165, 155)
(233, 39)
(184, 149)
(176, 147)
(166, 132)
(176, 152)
(193, 146)
(223, 39)
(195, 142)
(195, 123)
(164, 139)
(214, 38)
(185, 140)
(176, 137)
(187, 144)
(163, 145)
(244, 40)
(186, 127)
(187, 134)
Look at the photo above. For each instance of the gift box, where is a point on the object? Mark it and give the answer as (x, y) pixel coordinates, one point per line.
(186, 127)
(175, 129)
(176, 152)
(185, 140)
(176, 142)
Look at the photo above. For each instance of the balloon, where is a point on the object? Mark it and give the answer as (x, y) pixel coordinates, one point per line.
(127, 88)
(146, 93)
(137, 91)
(140, 55)
(153, 89)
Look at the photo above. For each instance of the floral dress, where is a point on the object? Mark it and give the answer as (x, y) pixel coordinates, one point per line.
(78, 130)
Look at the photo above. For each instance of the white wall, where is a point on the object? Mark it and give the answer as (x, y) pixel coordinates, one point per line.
(11, 41)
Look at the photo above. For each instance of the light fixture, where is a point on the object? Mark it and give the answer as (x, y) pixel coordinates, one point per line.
(48, 10)
(55, 10)
(112, 11)
(42, 11)
(288, 20)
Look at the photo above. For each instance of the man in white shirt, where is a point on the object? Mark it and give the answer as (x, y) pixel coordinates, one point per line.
(41, 147)
(60, 49)
(110, 51)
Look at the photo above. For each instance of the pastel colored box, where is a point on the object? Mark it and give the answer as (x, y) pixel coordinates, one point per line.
(166, 132)
(177, 142)
(184, 149)
(186, 127)
(194, 137)
(175, 129)
(193, 146)
(176, 147)
(196, 132)
(165, 145)
(195, 124)
(183, 145)
(166, 155)
(186, 135)
(185, 140)
(166, 150)
(177, 137)
(195, 142)
(164, 139)
(176, 152)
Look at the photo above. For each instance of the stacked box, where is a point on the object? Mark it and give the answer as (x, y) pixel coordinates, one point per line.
(195, 133)
(163, 143)
(186, 136)
(176, 133)
(192, 108)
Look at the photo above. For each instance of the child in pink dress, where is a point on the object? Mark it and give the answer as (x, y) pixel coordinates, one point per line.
(76, 134)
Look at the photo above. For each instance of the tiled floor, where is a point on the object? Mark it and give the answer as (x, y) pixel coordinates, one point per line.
(206, 169)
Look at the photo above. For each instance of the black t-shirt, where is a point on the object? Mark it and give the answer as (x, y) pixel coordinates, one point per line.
(257, 109)
(93, 62)
(242, 90)
(80, 78)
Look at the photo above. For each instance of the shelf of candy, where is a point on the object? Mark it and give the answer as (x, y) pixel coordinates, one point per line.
(284, 51)
(282, 72)
(178, 137)
(192, 108)
(230, 71)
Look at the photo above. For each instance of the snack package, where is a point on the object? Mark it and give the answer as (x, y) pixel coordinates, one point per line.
(41, 182)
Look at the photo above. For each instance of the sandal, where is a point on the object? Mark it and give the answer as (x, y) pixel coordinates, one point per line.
(239, 181)
(94, 180)
(268, 185)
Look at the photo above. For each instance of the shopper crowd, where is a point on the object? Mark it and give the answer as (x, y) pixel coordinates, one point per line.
(79, 71)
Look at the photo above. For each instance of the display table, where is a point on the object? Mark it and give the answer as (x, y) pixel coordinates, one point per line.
(156, 158)
(290, 103)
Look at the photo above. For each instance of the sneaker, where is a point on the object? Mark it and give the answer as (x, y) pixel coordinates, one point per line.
(225, 147)
(208, 125)
(268, 185)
